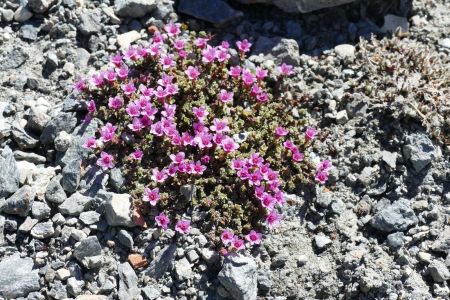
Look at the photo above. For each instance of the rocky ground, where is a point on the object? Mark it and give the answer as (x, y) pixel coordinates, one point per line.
(380, 229)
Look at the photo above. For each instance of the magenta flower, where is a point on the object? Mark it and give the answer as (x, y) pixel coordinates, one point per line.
(267, 201)
(172, 170)
(203, 140)
(262, 97)
(172, 29)
(297, 156)
(122, 72)
(96, 80)
(79, 85)
(235, 72)
(133, 109)
(243, 46)
(227, 237)
(187, 139)
(280, 131)
(201, 42)
(279, 198)
(183, 226)
(225, 96)
(145, 91)
(259, 192)
(205, 159)
(220, 125)
(285, 69)
(200, 113)
(198, 168)
(255, 178)
(256, 90)
(158, 38)
(208, 54)
(117, 60)
(107, 132)
(179, 44)
(91, 143)
(158, 176)
(162, 220)
(192, 73)
(115, 103)
(237, 164)
(325, 166)
(167, 61)
(218, 138)
(229, 145)
(169, 110)
(177, 158)
(256, 159)
(160, 92)
(321, 177)
(106, 161)
(261, 73)
(254, 238)
(247, 77)
(155, 50)
(128, 88)
(222, 55)
(237, 243)
(111, 75)
(137, 155)
(92, 108)
(273, 219)
(289, 145)
(151, 196)
(310, 133)
(136, 125)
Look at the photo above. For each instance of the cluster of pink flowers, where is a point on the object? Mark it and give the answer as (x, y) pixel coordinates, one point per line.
(323, 170)
(148, 90)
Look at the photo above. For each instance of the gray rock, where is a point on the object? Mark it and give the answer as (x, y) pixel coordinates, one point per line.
(25, 139)
(55, 192)
(162, 261)
(76, 152)
(17, 281)
(345, 51)
(396, 217)
(128, 282)
(192, 256)
(264, 281)
(216, 12)
(125, 238)
(183, 270)
(90, 217)
(75, 286)
(20, 202)
(438, 270)
(116, 179)
(390, 158)
(2, 230)
(29, 32)
(419, 150)
(62, 122)
(442, 243)
(43, 230)
(40, 6)
(395, 240)
(124, 40)
(90, 23)
(71, 176)
(151, 292)
(300, 6)
(22, 14)
(40, 210)
(341, 117)
(7, 15)
(189, 191)
(9, 174)
(87, 248)
(357, 107)
(134, 8)
(13, 58)
(321, 241)
(58, 291)
(63, 141)
(393, 22)
(239, 277)
(27, 225)
(278, 49)
(75, 204)
(29, 157)
(118, 210)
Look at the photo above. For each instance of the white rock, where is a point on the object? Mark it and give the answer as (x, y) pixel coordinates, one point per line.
(118, 210)
(125, 39)
(22, 14)
(345, 51)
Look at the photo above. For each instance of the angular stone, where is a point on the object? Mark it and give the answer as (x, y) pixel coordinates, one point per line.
(442, 243)
(40, 210)
(239, 277)
(87, 248)
(162, 261)
(40, 6)
(396, 217)
(137, 261)
(345, 51)
(125, 238)
(128, 283)
(9, 174)
(216, 12)
(183, 270)
(279, 49)
(22, 14)
(43, 230)
(17, 279)
(125, 39)
(90, 217)
(134, 8)
(20, 202)
(419, 150)
(71, 176)
(90, 23)
(438, 270)
(118, 210)
(62, 122)
(75, 204)
(55, 192)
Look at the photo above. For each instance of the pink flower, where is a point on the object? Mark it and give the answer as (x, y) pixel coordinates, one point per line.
(321, 177)
(227, 237)
(229, 145)
(97, 80)
(136, 125)
(243, 46)
(237, 243)
(256, 90)
(247, 77)
(285, 69)
(200, 113)
(187, 139)
(280, 131)
(92, 108)
(183, 226)
(255, 178)
(158, 176)
(222, 55)
(192, 72)
(201, 42)
(154, 49)
(79, 85)
(122, 72)
(237, 164)
(325, 166)
(225, 96)
(256, 159)
(107, 132)
(160, 92)
(267, 201)
(205, 159)
(177, 158)
(169, 110)
(235, 72)
(137, 155)
(133, 109)
(115, 103)
(167, 61)
(172, 170)
(208, 54)
(297, 156)
(111, 75)
(261, 73)
(273, 219)
(198, 168)
(220, 125)
(162, 220)
(128, 88)
(289, 145)
(262, 97)
(203, 140)
(145, 91)
(151, 196)
(254, 238)
(172, 29)
(218, 138)
(106, 161)
(179, 44)
(279, 197)
(310, 133)
(117, 60)
(91, 143)
(259, 192)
